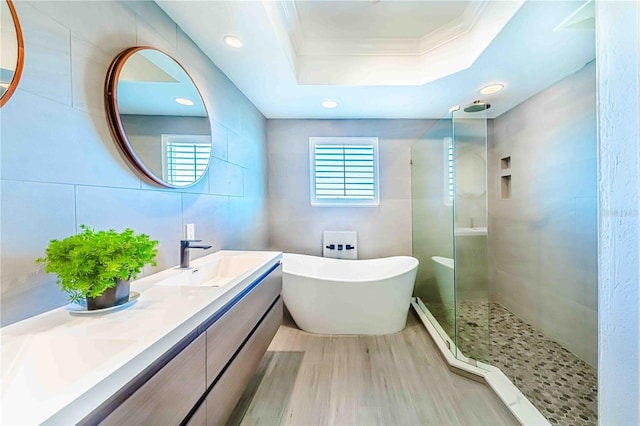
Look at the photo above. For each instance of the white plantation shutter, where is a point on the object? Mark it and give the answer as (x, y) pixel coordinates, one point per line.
(185, 159)
(344, 171)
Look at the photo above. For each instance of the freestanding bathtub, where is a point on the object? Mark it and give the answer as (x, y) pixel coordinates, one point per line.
(444, 267)
(335, 296)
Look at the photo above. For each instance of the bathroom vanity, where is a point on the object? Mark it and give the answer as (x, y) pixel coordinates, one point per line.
(183, 353)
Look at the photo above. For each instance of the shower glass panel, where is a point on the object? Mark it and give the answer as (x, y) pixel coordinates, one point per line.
(449, 214)
(432, 216)
(470, 234)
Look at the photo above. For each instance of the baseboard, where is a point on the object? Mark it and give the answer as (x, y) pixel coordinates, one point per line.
(515, 401)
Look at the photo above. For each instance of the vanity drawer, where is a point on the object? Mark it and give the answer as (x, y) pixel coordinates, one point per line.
(170, 394)
(224, 396)
(226, 335)
(199, 418)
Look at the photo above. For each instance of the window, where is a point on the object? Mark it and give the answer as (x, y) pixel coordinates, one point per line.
(448, 171)
(344, 171)
(184, 158)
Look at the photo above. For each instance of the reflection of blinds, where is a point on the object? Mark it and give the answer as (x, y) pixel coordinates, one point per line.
(344, 171)
(186, 161)
(448, 172)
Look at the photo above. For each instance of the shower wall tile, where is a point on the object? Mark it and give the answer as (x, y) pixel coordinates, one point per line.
(586, 220)
(543, 241)
(578, 322)
(520, 292)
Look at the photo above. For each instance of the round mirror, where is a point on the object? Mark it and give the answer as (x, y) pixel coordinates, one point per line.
(470, 175)
(12, 52)
(158, 117)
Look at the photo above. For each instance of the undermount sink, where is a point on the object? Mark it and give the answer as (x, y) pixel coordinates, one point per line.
(215, 270)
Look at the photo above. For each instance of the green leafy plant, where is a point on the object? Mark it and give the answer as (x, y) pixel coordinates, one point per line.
(90, 262)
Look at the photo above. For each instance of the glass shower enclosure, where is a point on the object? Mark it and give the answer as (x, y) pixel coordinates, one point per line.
(449, 214)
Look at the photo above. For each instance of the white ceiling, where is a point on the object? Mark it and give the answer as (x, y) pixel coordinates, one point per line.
(385, 19)
(386, 58)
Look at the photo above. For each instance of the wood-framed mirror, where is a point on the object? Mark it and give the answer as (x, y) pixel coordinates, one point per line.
(12, 52)
(158, 117)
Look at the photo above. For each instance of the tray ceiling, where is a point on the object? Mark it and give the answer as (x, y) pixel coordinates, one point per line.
(386, 58)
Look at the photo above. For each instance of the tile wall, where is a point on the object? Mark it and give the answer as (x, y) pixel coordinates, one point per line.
(60, 166)
(543, 240)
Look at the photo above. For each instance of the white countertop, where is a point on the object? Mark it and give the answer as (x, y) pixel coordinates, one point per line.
(58, 367)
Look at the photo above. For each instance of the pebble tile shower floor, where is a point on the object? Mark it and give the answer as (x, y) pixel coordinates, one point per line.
(559, 384)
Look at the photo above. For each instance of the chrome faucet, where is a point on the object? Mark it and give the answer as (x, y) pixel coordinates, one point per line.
(185, 245)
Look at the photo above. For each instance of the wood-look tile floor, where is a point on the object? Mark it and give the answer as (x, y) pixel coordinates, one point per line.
(396, 379)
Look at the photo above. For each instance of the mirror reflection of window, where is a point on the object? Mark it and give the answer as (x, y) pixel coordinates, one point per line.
(447, 149)
(159, 116)
(185, 158)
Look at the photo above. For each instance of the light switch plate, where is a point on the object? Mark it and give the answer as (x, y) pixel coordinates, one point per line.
(190, 231)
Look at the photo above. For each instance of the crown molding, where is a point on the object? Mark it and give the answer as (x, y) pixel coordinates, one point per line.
(450, 48)
(306, 46)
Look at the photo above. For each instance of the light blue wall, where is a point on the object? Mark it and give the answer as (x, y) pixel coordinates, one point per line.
(60, 165)
(618, 68)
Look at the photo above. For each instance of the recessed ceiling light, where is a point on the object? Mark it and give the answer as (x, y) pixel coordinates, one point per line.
(329, 104)
(184, 101)
(232, 41)
(492, 88)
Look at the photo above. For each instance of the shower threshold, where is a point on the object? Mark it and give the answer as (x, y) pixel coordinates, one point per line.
(521, 408)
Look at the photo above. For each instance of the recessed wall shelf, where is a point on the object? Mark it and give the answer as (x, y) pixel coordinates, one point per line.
(506, 186)
(505, 177)
(505, 163)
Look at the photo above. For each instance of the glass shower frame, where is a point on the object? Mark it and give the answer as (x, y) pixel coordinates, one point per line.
(456, 302)
(470, 233)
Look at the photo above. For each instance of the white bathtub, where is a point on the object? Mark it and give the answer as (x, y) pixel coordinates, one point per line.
(335, 296)
(444, 267)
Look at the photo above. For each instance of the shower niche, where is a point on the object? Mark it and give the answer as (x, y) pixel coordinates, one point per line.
(505, 177)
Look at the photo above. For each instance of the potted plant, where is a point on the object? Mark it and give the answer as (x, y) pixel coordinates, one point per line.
(99, 266)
